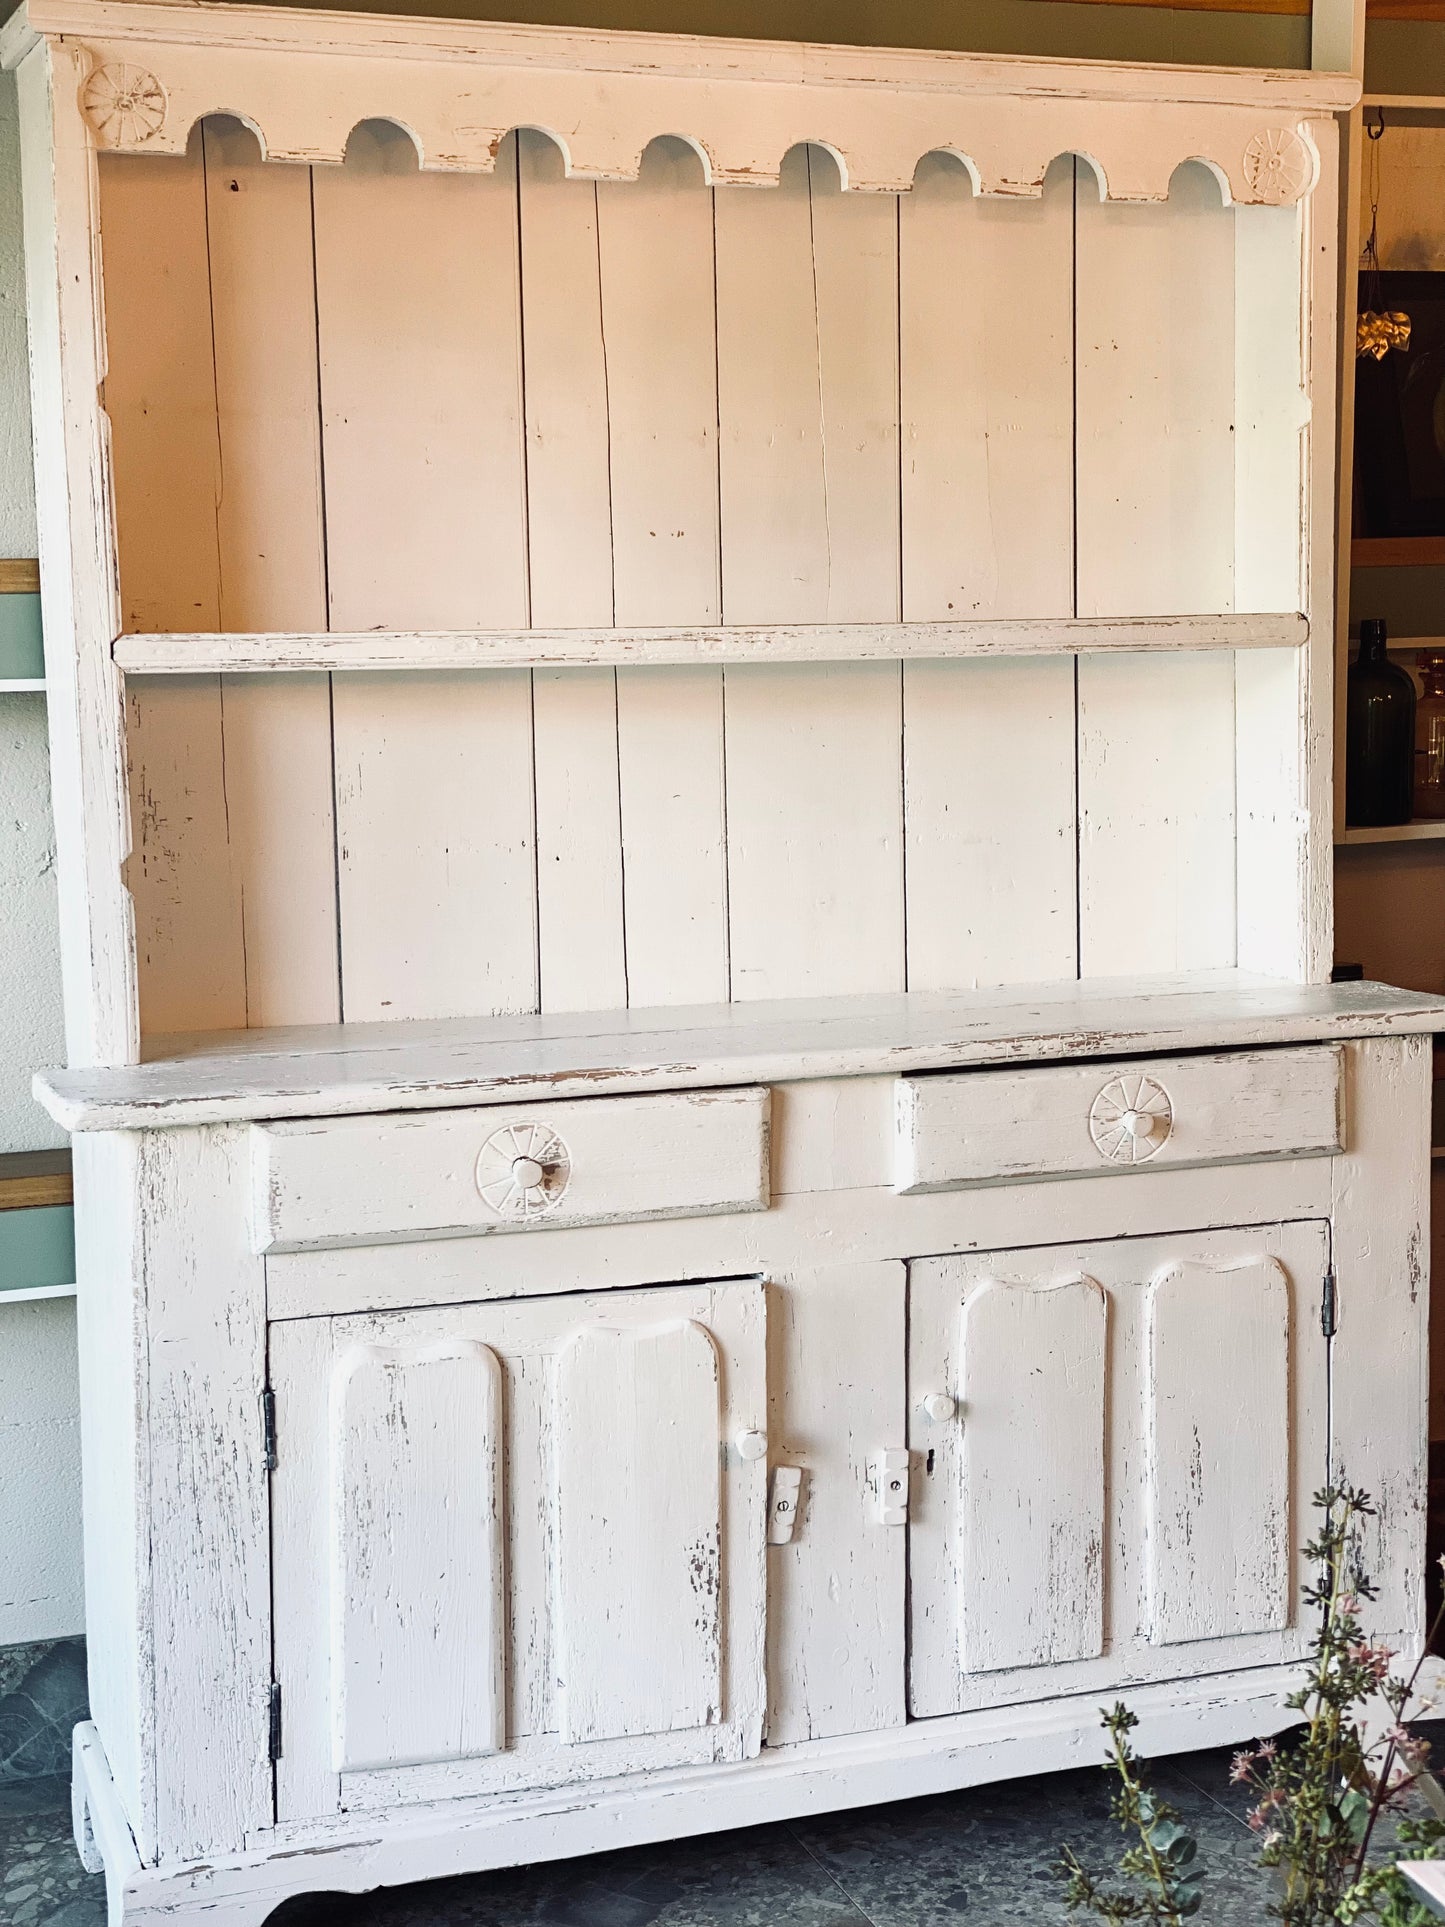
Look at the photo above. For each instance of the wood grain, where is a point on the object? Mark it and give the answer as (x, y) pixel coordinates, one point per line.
(19, 576)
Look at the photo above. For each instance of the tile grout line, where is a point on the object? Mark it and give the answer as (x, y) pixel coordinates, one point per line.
(1213, 1798)
(852, 1899)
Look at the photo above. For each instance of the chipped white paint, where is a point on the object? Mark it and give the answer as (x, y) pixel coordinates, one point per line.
(417, 1599)
(372, 1179)
(1001, 1125)
(460, 87)
(639, 1532)
(1031, 1399)
(714, 684)
(1042, 1408)
(565, 1451)
(1220, 1545)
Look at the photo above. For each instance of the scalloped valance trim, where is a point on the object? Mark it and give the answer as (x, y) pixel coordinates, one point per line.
(145, 73)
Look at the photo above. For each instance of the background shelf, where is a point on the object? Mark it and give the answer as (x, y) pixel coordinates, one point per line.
(1423, 830)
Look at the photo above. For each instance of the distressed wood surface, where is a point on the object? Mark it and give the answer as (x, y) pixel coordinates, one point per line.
(1220, 1552)
(1381, 1260)
(1032, 1472)
(639, 1532)
(910, 1762)
(1155, 423)
(417, 1585)
(867, 1218)
(261, 268)
(581, 938)
(995, 1126)
(397, 1177)
(405, 880)
(1157, 800)
(659, 324)
(532, 1342)
(568, 481)
(836, 1624)
(672, 784)
(358, 1068)
(815, 831)
(206, 1664)
(969, 728)
(738, 642)
(1145, 1465)
(1010, 117)
(988, 482)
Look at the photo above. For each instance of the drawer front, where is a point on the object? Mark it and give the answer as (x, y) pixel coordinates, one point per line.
(367, 1180)
(990, 1127)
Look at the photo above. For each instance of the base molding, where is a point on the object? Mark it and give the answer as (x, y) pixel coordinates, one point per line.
(363, 1851)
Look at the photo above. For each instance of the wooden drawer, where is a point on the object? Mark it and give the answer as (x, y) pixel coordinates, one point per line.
(367, 1180)
(990, 1127)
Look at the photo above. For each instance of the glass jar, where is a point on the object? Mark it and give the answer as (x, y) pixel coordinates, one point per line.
(1379, 735)
(1430, 737)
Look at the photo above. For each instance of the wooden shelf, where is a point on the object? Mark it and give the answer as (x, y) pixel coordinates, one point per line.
(1398, 552)
(345, 1069)
(1423, 830)
(22, 685)
(32, 1178)
(28, 1294)
(170, 655)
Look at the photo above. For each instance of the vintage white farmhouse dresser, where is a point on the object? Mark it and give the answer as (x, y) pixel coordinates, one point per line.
(718, 1174)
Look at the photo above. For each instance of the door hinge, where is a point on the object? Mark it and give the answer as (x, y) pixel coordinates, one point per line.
(268, 1429)
(1328, 1320)
(275, 1725)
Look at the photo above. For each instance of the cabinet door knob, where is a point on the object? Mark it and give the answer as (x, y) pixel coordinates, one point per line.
(528, 1173)
(752, 1445)
(1138, 1124)
(939, 1406)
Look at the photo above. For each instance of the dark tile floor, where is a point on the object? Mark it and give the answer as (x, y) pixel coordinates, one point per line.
(982, 1858)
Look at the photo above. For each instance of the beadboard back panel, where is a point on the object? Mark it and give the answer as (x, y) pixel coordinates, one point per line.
(380, 399)
(362, 397)
(439, 845)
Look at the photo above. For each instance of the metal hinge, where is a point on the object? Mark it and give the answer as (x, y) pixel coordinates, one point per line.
(1328, 1302)
(268, 1429)
(275, 1727)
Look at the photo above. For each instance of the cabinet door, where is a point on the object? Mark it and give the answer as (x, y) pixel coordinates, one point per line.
(1122, 1490)
(516, 1544)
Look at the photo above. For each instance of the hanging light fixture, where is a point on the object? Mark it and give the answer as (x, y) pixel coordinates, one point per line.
(1378, 330)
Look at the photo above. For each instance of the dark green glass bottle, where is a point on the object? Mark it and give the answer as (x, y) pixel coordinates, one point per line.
(1379, 736)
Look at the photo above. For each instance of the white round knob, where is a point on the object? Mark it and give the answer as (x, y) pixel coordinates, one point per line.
(528, 1173)
(939, 1407)
(752, 1445)
(1138, 1123)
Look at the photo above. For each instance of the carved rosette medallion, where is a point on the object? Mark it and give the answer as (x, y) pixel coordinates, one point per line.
(1277, 166)
(1131, 1119)
(523, 1171)
(125, 105)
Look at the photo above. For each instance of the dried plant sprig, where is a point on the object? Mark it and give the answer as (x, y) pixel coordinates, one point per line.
(1161, 1868)
(1320, 1796)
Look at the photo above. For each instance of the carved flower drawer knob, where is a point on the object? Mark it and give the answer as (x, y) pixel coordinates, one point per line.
(523, 1171)
(1131, 1119)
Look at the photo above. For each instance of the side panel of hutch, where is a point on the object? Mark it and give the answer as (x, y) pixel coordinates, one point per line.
(716, 1172)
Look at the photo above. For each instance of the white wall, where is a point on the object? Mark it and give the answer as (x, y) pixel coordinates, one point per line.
(40, 1572)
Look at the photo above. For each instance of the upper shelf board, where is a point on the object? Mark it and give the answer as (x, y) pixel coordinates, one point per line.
(142, 75)
(169, 655)
(341, 1070)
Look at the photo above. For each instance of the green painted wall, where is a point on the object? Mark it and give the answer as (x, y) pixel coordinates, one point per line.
(37, 1247)
(977, 26)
